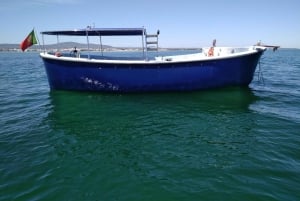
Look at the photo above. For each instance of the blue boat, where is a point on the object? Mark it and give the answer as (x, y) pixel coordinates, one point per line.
(211, 67)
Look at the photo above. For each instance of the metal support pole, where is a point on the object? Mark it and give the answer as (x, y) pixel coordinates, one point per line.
(143, 46)
(101, 47)
(57, 39)
(88, 43)
(43, 43)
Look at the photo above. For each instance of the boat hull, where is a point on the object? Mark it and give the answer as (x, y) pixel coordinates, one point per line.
(150, 76)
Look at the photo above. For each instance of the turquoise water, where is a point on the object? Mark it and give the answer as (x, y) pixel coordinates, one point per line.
(225, 144)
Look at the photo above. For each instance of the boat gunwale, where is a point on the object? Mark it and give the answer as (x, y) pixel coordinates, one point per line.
(251, 50)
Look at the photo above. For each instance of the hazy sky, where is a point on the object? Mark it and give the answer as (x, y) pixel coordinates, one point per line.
(182, 23)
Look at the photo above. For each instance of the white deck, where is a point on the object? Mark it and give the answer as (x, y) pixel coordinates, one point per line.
(219, 53)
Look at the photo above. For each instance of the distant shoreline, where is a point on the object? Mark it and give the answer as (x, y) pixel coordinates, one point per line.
(97, 50)
(68, 46)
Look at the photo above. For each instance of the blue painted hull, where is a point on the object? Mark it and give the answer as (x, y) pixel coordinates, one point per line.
(144, 77)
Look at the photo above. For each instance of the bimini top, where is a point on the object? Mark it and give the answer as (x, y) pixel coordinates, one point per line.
(99, 32)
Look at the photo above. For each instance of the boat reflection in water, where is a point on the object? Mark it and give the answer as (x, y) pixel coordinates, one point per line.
(142, 134)
(110, 112)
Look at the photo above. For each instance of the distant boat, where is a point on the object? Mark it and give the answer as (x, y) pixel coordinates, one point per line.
(213, 67)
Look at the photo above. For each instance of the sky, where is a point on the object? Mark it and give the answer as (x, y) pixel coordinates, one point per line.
(182, 23)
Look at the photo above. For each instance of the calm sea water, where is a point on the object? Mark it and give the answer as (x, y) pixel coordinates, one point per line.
(225, 144)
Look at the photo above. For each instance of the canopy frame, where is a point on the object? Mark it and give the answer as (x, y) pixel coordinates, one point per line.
(89, 31)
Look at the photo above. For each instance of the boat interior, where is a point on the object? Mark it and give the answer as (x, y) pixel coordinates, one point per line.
(203, 53)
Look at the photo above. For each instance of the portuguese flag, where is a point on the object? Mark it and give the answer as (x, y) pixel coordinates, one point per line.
(29, 41)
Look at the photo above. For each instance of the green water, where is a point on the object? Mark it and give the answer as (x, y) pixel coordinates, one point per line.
(225, 144)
